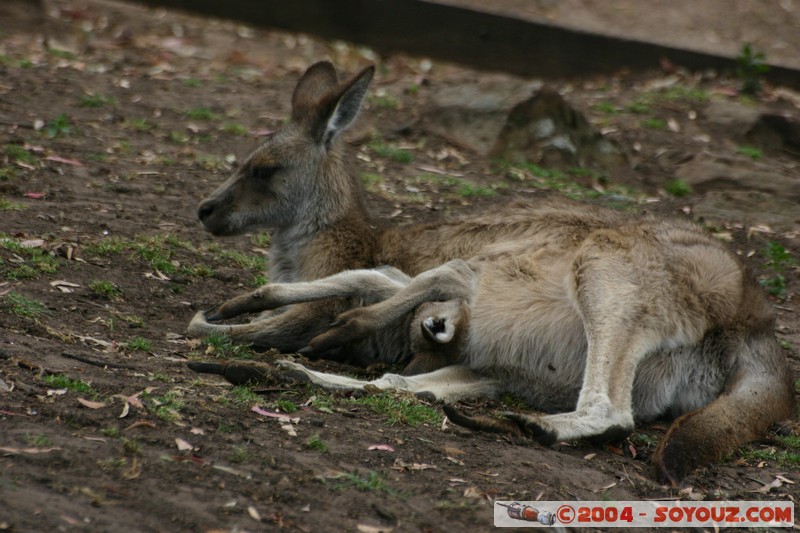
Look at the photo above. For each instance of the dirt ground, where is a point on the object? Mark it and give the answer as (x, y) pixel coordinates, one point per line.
(111, 134)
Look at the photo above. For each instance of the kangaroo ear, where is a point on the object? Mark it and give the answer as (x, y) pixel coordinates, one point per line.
(346, 105)
(314, 86)
(438, 329)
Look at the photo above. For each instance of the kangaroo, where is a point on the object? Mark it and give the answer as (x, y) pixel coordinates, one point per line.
(598, 318)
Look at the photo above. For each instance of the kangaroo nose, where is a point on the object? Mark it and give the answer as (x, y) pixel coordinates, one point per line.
(205, 210)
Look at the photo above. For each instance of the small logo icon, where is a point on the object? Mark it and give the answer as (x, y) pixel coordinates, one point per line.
(517, 511)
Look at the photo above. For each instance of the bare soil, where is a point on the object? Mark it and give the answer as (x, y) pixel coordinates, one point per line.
(112, 132)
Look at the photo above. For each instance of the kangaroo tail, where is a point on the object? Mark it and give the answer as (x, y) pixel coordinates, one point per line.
(758, 393)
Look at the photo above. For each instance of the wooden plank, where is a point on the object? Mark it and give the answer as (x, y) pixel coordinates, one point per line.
(474, 38)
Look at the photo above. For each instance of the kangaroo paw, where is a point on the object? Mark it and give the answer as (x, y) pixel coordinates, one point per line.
(481, 423)
(612, 434)
(348, 328)
(533, 427)
(293, 371)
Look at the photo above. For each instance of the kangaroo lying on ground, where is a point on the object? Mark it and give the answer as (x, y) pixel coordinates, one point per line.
(603, 317)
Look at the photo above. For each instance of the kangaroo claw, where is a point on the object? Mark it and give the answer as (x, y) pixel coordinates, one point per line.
(530, 427)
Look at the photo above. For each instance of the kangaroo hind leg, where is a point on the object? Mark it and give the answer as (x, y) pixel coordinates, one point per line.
(624, 294)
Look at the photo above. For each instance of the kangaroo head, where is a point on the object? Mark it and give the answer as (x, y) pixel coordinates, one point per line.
(438, 330)
(297, 177)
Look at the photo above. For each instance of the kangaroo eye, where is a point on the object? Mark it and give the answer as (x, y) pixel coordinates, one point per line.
(263, 173)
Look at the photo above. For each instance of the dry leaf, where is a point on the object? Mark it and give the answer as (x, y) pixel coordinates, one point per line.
(776, 483)
(384, 447)
(197, 431)
(590, 456)
(126, 407)
(64, 286)
(134, 471)
(449, 450)
(233, 471)
(253, 513)
(183, 445)
(33, 451)
(473, 492)
(364, 528)
(288, 428)
(90, 404)
(66, 161)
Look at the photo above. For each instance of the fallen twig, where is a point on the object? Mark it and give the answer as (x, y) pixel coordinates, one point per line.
(96, 362)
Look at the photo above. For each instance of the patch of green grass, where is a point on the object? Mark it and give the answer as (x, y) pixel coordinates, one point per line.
(235, 129)
(259, 280)
(62, 54)
(654, 123)
(105, 247)
(751, 64)
(251, 262)
(388, 151)
(239, 455)
(243, 396)
(400, 409)
(111, 432)
(315, 442)
(261, 239)
(61, 381)
(678, 188)
(680, 92)
(639, 108)
(778, 259)
(167, 406)
(23, 306)
(468, 189)
(286, 406)
(178, 137)
(15, 152)
(22, 272)
(96, 100)
(461, 186)
(139, 344)
(105, 289)
(324, 402)
(8, 205)
(59, 126)
(192, 82)
(751, 152)
(7, 173)
(384, 101)
(606, 107)
(131, 447)
(200, 113)
(565, 182)
(223, 347)
(25, 63)
(775, 285)
(157, 251)
(373, 482)
(38, 441)
(781, 458)
(142, 124)
(370, 180)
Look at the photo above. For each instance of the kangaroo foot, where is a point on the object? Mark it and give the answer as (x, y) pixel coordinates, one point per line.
(534, 427)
